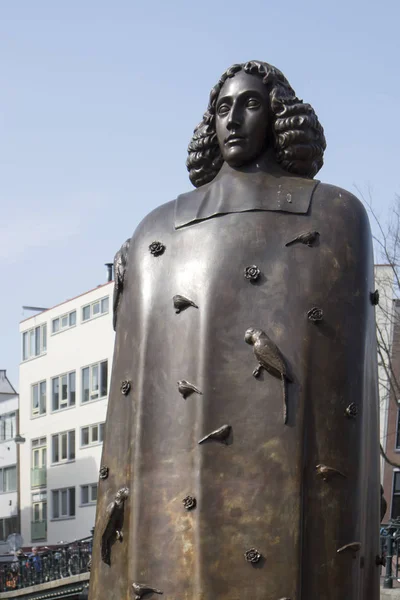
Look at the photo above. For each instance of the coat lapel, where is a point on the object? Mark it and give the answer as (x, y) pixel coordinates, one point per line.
(235, 192)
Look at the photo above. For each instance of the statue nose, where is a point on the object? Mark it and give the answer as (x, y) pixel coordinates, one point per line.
(234, 119)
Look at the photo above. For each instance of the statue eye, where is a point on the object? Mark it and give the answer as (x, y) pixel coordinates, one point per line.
(223, 109)
(253, 103)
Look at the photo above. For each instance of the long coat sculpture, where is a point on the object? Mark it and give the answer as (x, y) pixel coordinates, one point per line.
(280, 500)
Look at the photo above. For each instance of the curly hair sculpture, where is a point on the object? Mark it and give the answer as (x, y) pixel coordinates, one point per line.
(298, 137)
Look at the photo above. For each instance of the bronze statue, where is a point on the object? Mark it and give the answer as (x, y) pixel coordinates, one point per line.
(283, 507)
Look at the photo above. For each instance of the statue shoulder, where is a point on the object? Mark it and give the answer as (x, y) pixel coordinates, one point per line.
(346, 210)
(160, 217)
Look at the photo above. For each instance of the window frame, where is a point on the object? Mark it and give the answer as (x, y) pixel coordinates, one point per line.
(92, 392)
(62, 328)
(68, 458)
(62, 403)
(39, 336)
(13, 526)
(90, 501)
(100, 434)
(91, 305)
(3, 425)
(60, 516)
(39, 413)
(2, 473)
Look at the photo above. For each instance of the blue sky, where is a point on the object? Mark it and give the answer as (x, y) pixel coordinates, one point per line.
(99, 100)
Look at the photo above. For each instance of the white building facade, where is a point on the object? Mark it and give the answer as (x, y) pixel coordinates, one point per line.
(9, 517)
(64, 381)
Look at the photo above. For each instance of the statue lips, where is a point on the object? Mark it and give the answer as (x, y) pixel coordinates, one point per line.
(234, 140)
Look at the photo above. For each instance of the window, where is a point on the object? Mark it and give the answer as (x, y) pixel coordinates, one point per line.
(63, 447)
(8, 479)
(64, 322)
(396, 495)
(92, 434)
(39, 399)
(95, 309)
(94, 381)
(39, 507)
(8, 427)
(39, 463)
(39, 516)
(63, 391)
(7, 527)
(63, 503)
(89, 494)
(34, 342)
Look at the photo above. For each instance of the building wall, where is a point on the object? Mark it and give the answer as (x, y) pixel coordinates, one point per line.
(67, 351)
(8, 457)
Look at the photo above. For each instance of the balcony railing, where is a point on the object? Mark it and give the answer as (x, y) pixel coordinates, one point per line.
(48, 564)
(38, 477)
(38, 530)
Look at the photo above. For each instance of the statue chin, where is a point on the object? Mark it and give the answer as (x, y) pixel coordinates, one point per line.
(238, 158)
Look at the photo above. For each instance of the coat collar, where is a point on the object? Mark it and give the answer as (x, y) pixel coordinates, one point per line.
(237, 191)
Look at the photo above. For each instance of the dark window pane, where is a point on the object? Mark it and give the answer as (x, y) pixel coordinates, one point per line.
(44, 337)
(85, 385)
(103, 379)
(55, 393)
(56, 325)
(64, 503)
(35, 398)
(32, 342)
(71, 502)
(85, 436)
(72, 318)
(396, 506)
(104, 305)
(24, 346)
(71, 442)
(64, 454)
(64, 389)
(95, 434)
(43, 398)
(72, 389)
(37, 341)
(85, 494)
(95, 382)
(86, 313)
(55, 455)
(56, 508)
(101, 430)
(396, 485)
(94, 493)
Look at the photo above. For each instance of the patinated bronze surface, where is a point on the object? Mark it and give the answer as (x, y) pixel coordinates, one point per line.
(274, 506)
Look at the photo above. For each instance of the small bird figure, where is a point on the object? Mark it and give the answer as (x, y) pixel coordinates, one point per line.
(352, 547)
(120, 262)
(181, 303)
(142, 589)
(269, 358)
(187, 389)
(326, 472)
(220, 435)
(308, 238)
(113, 527)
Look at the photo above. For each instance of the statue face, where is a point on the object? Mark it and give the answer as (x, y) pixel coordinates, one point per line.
(242, 118)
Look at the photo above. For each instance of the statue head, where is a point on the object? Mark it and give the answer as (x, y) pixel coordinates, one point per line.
(252, 109)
